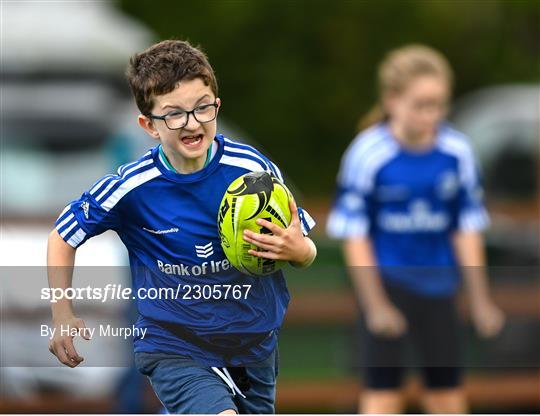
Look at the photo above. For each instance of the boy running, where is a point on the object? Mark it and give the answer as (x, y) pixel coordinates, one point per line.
(202, 355)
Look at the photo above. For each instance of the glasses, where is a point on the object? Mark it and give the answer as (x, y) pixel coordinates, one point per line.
(177, 119)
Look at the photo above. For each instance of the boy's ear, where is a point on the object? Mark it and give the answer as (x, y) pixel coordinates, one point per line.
(148, 125)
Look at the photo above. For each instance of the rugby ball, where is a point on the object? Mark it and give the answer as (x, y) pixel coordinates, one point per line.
(250, 197)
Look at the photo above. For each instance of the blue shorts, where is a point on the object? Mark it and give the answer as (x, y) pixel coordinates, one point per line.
(183, 386)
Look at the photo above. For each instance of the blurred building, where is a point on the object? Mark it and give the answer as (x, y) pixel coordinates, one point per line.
(63, 98)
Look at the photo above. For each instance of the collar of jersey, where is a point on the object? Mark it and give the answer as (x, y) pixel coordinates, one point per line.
(412, 152)
(189, 177)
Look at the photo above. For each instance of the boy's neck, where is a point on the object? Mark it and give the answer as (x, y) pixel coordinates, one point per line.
(188, 166)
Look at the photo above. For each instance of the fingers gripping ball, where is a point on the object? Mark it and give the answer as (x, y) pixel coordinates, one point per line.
(250, 197)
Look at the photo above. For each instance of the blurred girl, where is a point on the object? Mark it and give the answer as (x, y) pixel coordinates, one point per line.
(409, 209)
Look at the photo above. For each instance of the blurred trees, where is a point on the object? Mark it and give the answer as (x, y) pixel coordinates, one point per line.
(295, 76)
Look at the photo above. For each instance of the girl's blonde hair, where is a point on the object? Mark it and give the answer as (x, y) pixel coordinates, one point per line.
(397, 70)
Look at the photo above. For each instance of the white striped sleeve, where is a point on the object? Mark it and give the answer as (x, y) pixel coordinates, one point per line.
(472, 215)
(69, 228)
(128, 185)
(348, 217)
(306, 221)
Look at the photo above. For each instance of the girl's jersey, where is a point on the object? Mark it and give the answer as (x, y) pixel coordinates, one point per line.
(409, 203)
(210, 311)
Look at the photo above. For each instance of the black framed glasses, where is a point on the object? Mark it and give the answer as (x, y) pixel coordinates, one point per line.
(178, 119)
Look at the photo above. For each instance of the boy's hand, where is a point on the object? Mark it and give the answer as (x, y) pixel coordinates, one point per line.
(288, 244)
(385, 320)
(62, 345)
(488, 318)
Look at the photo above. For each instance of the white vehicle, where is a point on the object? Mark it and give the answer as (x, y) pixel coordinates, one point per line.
(503, 124)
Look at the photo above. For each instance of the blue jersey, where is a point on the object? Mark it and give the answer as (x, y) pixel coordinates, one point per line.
(409, 203)
(168, 222)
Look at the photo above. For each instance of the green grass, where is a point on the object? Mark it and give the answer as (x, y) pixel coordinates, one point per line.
(316, 352)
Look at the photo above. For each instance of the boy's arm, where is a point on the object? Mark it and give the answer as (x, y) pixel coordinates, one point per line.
(468, 244)
(382, 317)
(309, 257)
(60, 262)
(469, 249)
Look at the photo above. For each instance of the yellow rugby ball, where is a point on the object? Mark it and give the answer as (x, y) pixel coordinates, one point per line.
(250, 197)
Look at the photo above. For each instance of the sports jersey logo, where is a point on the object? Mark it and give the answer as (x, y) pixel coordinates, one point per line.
(170, 230)
(202, 269)
(419, 218)
(86, 207)
(204, 251)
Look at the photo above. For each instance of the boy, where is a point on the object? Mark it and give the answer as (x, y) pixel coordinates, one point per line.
(201, 355)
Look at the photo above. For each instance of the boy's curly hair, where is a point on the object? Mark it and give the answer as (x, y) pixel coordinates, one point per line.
(158, 70)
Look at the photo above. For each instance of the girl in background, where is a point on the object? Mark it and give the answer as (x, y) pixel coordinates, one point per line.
(409, 209)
